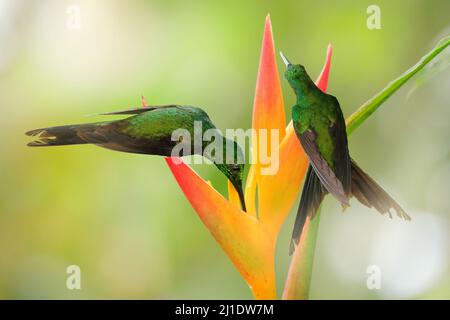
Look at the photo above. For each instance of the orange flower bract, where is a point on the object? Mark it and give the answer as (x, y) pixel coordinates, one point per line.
(248, 238)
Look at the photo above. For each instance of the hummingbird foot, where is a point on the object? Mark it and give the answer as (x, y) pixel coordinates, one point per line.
(390, 214)
(344, 206)
(144, 101)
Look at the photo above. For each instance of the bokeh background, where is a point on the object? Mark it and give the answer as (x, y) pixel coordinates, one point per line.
(122, 218)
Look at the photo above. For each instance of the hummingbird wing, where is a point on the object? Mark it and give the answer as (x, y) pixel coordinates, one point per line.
(325, 174)
(139, 109)
(341, 159)
(312, 195)
(114, 135)
(370, 194)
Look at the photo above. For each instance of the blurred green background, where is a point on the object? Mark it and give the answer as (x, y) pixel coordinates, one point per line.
(123, 219)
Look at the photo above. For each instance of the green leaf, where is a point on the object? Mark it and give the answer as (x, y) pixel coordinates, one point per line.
(363, 112)
(439, 64)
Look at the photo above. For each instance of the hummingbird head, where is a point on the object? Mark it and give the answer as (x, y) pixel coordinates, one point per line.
(233, 167)
(295, 74)
(235, 173)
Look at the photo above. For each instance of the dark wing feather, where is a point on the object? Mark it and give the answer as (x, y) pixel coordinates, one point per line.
(312, 195)
(139, 109)
(324, 172)
(370, 194)
(342, 165)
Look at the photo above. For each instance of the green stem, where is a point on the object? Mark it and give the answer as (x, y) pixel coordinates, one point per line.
(363, 112)
(300, 270)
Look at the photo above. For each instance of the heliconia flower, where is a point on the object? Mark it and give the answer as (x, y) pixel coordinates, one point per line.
(248, 238)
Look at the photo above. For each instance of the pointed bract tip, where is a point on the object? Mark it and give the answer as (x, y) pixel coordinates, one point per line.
(143, 101)
(285, 60)
(268, 24)
(329, 49)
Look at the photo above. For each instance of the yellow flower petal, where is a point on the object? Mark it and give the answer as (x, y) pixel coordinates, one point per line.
(240, 235)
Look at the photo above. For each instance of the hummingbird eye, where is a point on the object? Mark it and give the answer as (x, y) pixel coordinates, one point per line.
(235, 168)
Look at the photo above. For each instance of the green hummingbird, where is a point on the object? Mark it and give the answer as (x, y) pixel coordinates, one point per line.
(320, 127)
(150, 131)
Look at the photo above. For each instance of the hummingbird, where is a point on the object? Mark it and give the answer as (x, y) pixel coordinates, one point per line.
(320, 127)
(148, 131)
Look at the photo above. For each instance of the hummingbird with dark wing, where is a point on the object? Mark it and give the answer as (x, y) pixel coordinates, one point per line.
(320, 127)
(149, 130)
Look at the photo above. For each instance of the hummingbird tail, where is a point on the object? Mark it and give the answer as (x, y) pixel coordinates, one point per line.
(370, 194)
(363, 188)
(62, 135)
(312, 196)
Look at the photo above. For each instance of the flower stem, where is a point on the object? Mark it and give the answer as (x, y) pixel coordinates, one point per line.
(300, 269)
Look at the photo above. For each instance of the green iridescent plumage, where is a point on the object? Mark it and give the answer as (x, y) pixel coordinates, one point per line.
(150, 130)
(320, 127)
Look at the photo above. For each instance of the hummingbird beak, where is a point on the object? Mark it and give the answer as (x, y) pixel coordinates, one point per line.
(285, 60)
(240, 192)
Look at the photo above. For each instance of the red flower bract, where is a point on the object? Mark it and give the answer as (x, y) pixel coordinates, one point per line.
(248, 238)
